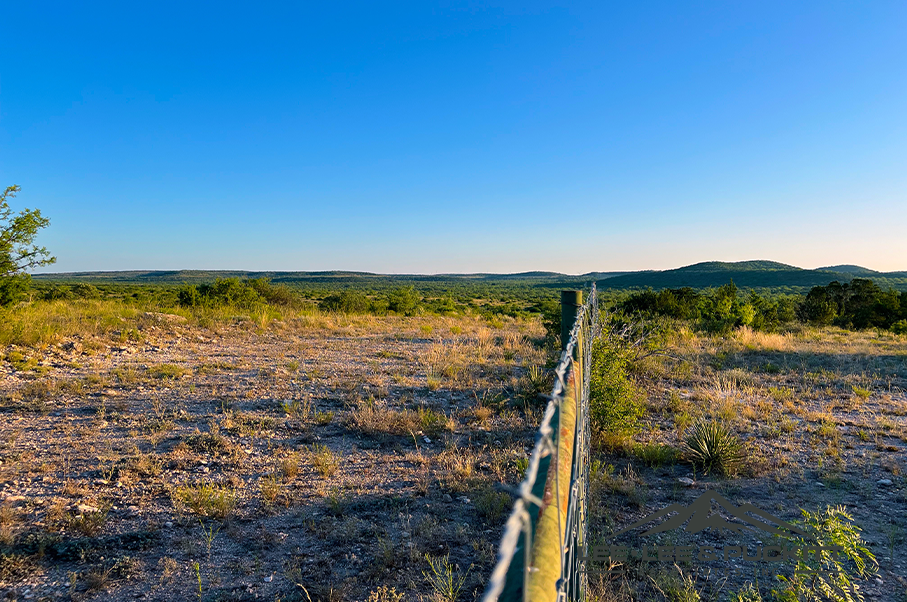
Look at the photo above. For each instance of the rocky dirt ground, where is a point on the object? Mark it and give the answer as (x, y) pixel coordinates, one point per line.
(325, 460)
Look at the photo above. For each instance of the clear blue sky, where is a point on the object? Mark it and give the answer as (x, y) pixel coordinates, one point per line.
(458, 137)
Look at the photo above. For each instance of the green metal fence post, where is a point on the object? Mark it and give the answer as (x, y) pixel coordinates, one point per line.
(571, 301)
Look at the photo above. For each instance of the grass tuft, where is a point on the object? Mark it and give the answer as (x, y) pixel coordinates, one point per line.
(206, 500)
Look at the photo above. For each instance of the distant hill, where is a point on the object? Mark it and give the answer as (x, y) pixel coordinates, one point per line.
(850, 269)
(749, 274)
(739, 266)
(745, 274)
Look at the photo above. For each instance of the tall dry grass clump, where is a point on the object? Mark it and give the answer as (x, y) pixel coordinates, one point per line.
(49, 321)
(763, 341)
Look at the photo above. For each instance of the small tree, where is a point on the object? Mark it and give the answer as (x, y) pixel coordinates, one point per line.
(17, 251)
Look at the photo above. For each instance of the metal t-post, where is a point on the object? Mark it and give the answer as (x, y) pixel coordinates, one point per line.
(571, 301)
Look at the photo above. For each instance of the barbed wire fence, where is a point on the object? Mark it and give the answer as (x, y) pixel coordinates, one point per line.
(541, 555)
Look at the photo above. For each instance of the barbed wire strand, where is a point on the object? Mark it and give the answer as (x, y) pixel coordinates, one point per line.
(520, 521)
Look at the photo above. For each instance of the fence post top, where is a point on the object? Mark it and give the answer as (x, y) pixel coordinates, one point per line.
(572, 298)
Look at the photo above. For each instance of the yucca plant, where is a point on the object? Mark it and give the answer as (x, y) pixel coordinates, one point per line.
(711, 445)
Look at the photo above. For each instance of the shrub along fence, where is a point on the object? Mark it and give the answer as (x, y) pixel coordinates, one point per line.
(541, 555)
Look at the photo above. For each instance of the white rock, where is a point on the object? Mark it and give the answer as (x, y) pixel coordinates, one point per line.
(686, 481)
(884, 482)
(269, 578)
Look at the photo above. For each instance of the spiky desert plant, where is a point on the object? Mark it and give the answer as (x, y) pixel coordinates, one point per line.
(712, 445)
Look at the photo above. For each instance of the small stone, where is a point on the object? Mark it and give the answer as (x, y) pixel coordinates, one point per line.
(879, 581)
(426, 439)
(686, 481)
(447, 497)
(85, 508)
(884, 482)
(168, 524)
(818, 484)
(269, 578)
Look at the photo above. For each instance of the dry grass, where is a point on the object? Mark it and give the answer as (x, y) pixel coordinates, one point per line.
(206, 500)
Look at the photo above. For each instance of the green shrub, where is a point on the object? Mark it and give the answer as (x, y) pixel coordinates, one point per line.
(280, 294)
(826, 575)
(655, 454)
(551, 320)
(224, 291)
(188, 296)
(348, 302)
(56, 292)
(493, 504)
(404, 301)
(14, 289)
(84, 290)
(230, 291)
(616, 402)
(711, 445)
(899, 327)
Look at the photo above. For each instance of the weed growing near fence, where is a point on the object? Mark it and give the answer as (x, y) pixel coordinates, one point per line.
(616, 401)
(827, 575)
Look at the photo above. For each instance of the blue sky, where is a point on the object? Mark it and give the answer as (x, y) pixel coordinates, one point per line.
(458, 137)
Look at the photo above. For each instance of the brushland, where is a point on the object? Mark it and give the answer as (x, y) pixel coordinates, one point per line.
(239, 438)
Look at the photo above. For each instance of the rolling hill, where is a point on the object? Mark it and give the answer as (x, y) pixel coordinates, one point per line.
(745, 274)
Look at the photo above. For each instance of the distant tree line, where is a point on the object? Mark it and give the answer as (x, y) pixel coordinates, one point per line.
(403, 301)
(857, 304)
